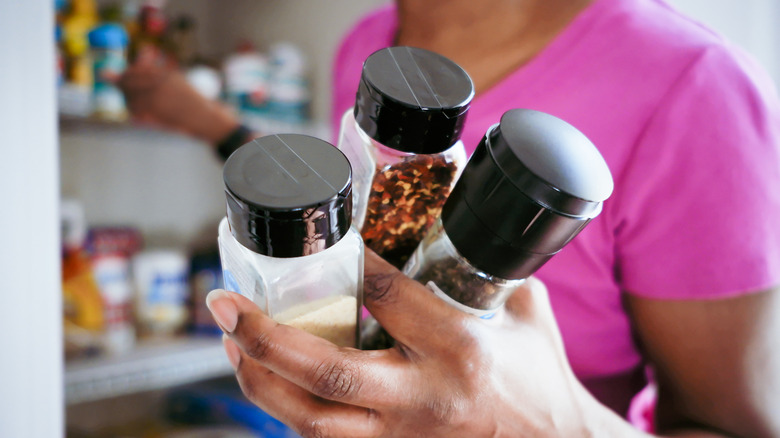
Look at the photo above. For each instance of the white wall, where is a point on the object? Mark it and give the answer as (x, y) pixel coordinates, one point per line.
(751, 24)
(167, 185)
(30, 313)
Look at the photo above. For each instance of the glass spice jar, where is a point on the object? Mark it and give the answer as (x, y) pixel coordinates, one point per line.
(531, 186)
(287, 242)
(403, 140)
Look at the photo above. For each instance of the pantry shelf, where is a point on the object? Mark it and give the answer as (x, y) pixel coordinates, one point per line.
(151, 366)
(74, 123)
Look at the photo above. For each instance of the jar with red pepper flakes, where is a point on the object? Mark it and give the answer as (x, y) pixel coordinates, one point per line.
(403, 141)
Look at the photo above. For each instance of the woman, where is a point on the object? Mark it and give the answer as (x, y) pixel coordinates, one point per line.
(675, 282)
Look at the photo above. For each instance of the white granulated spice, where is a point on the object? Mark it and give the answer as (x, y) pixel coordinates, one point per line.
(333, 318)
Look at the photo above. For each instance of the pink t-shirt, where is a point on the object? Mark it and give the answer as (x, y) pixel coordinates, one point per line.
(689, 127)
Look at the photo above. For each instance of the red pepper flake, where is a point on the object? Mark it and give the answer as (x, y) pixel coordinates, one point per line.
(405, 200)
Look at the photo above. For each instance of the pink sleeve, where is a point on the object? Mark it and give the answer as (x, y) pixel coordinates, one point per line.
(374, 31)
(700, 203)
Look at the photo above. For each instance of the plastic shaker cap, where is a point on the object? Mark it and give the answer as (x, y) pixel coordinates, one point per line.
(413, 100)
(531, 186)
(108, 36)
(288, 195)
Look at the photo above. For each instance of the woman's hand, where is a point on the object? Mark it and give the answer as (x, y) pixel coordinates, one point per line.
(159, 95)
(449, 375)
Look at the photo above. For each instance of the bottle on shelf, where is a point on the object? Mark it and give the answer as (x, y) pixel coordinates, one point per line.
(247, 74)
(149, 32)
(288, 88)
(162, 291)
(182, 41)
(287, 242)
(111, 249)
(75, 20)
(80, 18)
(108, 43)
(82, 304)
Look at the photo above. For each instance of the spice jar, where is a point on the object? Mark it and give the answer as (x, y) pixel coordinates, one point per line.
(287, 241)
(403, 140)
(531, 186)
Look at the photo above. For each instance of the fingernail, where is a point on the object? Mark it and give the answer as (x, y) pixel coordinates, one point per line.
(223, 309)
(233, 353)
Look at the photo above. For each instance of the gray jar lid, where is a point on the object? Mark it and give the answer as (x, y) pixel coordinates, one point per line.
(288, 195)
(554, 152)
(413, 100)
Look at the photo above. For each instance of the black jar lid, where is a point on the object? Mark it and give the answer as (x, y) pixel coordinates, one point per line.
(531, 186)
(413, 100)
(288, 195)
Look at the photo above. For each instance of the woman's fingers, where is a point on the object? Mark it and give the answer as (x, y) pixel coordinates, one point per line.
(363, 378)
(530, 305)
(407, 310)
(530, 301)
(308, 414)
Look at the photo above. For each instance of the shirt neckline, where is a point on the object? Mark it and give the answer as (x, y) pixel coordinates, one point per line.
(557, 49)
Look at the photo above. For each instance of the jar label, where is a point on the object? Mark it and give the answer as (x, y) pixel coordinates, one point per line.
(238, 273)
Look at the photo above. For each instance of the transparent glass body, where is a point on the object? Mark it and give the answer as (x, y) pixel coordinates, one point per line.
(437, 264)
(320, 293)
(396, 195)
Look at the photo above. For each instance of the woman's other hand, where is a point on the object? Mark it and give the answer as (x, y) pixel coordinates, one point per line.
(450, 374)
(159, 95)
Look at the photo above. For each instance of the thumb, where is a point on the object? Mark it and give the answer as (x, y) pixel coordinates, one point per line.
(530, 301)
(530, 305)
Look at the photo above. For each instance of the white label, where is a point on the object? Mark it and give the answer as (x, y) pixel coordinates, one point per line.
(238, 273)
